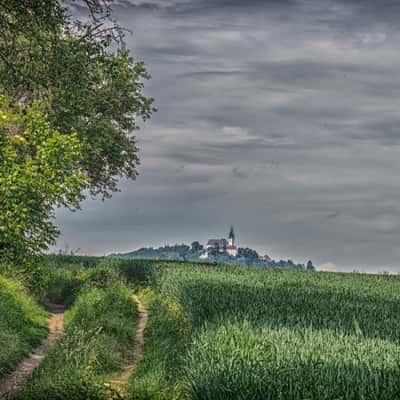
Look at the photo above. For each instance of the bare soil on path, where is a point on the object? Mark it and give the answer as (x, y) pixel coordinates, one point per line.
(11, 384)
(120, 382)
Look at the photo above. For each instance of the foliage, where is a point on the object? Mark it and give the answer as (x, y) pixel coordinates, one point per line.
(176, 252)
(159, 374)
(23, 324)
(49, 283)
(89, 82)
(196, 247)
(247, 253)
(58, 279)
(102, 276)
(310, 266)
(39, 169)
(70, 98)
(70, 261)
(183, 252)
(100, 328)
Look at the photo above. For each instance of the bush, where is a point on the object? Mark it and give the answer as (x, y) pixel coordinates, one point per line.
(102, 276)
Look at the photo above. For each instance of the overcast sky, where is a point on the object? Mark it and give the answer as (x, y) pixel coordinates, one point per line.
(280, 117)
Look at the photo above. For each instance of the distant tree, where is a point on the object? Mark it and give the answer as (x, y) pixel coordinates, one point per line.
(310, 266)
(196, 247)
(213, 251)
(248, 253)
(181, 248)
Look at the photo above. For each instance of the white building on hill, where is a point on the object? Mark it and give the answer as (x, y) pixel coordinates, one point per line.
(221, 246)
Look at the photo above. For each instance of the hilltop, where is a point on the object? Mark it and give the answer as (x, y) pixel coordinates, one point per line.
(195, 253)
(219, 251)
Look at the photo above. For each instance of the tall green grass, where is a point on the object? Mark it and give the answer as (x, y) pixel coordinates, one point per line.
(236, 361)
(23, 324)
(274, 334)
(99, 336)
(159, 374)
(265, 334)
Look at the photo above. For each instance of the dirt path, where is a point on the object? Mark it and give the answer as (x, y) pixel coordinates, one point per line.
(10, 384)
(120, 382)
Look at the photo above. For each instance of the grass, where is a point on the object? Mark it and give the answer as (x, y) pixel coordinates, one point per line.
(236, 361)
(23, 324)
(274, 334)
(224, 332)
(159, 374)
(98, 338)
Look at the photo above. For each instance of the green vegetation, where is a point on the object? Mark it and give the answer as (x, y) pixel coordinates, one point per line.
(183, 252)
(39, 168)
(275, 334)
(99, 333)
(82, 73)
(236, 361)
(49, 282)
(23, 324)
(70, 98)
(221, 332)
(159, 374)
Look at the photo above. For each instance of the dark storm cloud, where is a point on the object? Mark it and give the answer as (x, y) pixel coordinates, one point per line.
(280, 117)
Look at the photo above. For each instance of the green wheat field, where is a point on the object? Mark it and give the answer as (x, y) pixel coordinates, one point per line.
(214, 331)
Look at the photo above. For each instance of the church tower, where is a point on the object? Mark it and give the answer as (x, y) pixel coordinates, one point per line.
(231, 237)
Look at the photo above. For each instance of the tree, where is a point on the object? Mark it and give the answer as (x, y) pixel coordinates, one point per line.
(248, 253)
(196, 247)
(39, 169)
(86, 85)
(71, 97)
(310, 266)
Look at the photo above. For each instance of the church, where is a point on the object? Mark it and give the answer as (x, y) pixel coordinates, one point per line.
(222, 245)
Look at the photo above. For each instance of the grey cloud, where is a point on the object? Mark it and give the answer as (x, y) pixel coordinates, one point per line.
(385, 131)
(280, 117)
(238, 173)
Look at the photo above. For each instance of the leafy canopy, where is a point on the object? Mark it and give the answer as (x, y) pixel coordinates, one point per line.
(70, 98)
(89, 82)
(39, 169)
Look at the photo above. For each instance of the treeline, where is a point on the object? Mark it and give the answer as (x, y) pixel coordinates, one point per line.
(184, 252)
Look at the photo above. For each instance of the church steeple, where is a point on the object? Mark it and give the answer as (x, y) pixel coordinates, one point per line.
(231, 237)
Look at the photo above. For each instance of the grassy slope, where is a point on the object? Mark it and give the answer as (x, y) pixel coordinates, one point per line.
(23, 324)
(100, 329)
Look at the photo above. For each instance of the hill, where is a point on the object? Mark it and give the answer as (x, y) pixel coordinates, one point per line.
(195, 252)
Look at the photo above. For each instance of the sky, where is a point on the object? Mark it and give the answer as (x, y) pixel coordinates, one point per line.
(278, 117)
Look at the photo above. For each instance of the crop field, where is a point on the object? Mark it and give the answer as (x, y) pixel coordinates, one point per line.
(213, 332)
(273, 334)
